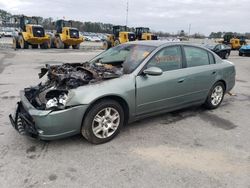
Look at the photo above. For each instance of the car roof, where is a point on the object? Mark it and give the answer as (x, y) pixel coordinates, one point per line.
(157, 43)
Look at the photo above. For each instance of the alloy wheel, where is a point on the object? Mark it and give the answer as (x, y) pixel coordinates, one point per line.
(217, 95)
(106, 122)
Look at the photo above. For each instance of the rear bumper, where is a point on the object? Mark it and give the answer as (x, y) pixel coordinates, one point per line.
(46, 124)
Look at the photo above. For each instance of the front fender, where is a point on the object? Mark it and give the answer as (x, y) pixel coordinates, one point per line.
(123, 87)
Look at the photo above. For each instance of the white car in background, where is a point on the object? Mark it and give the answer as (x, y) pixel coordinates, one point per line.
(95, 38)
(92, 38)
(8, 32)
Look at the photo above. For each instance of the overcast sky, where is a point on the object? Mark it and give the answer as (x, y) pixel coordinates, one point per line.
(171, 16)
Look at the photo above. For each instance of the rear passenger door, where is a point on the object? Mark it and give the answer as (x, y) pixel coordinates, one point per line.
(201, 69)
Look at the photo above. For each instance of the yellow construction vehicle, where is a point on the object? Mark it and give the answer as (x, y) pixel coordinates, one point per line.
(30, 34)
(235, 43)
(120, 35)
(233, 40)
(66, 36)
(143, 33)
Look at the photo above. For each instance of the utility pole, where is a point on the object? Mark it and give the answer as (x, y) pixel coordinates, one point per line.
(127, 15)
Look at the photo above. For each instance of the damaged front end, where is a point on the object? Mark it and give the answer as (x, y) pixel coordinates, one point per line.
(54, 93)
(44, 107)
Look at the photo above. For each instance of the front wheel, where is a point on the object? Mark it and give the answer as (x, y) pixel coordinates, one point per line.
(58, 43)
(106, 45)
(103, 121)
(15, 43)
(215, 96)
(240, 54)
(22, 43)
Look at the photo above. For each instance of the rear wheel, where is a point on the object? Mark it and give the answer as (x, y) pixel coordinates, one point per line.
(103, 121)
(215, 96)
(76, 46)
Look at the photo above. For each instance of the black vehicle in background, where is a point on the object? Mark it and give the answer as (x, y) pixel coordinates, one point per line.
(221, 50)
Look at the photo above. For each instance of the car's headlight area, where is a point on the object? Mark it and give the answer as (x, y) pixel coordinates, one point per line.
(56, 99)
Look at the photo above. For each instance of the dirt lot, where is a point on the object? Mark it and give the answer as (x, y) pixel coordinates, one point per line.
(187, 148)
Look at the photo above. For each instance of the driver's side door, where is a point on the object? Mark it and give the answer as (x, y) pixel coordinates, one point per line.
(155, 93)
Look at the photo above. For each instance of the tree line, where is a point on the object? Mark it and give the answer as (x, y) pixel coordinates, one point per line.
(220, 34)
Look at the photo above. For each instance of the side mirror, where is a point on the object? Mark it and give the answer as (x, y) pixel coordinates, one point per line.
(153, 71)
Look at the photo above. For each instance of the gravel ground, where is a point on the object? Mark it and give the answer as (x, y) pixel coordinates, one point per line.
(187, 148)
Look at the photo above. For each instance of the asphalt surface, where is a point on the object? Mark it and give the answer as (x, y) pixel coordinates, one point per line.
(188, 148)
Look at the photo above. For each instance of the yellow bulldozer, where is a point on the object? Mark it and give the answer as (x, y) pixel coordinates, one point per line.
(30, 34)
(120, 35)
(143, 33)
(234, 40)
(66, 36)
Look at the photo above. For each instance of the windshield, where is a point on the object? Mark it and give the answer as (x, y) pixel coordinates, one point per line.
(127, 56)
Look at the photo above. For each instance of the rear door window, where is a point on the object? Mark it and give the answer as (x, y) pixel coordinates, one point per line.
(196, 56)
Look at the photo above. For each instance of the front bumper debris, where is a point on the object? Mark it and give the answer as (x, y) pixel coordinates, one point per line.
(23, 122)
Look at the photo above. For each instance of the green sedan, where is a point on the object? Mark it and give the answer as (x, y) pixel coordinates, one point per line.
(121, 85)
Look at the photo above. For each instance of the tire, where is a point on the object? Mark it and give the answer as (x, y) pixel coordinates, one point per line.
(240, 54)
(226, 55)
(215, 96)
(34, 46)
(58, 43)
(104, 133)
(117, 42)
(22, 43)
(76, 46)
(106, 45)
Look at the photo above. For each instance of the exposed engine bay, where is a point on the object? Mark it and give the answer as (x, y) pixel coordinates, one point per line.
(53, 93)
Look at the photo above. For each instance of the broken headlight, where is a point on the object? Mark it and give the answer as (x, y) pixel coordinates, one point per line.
(56, 99)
